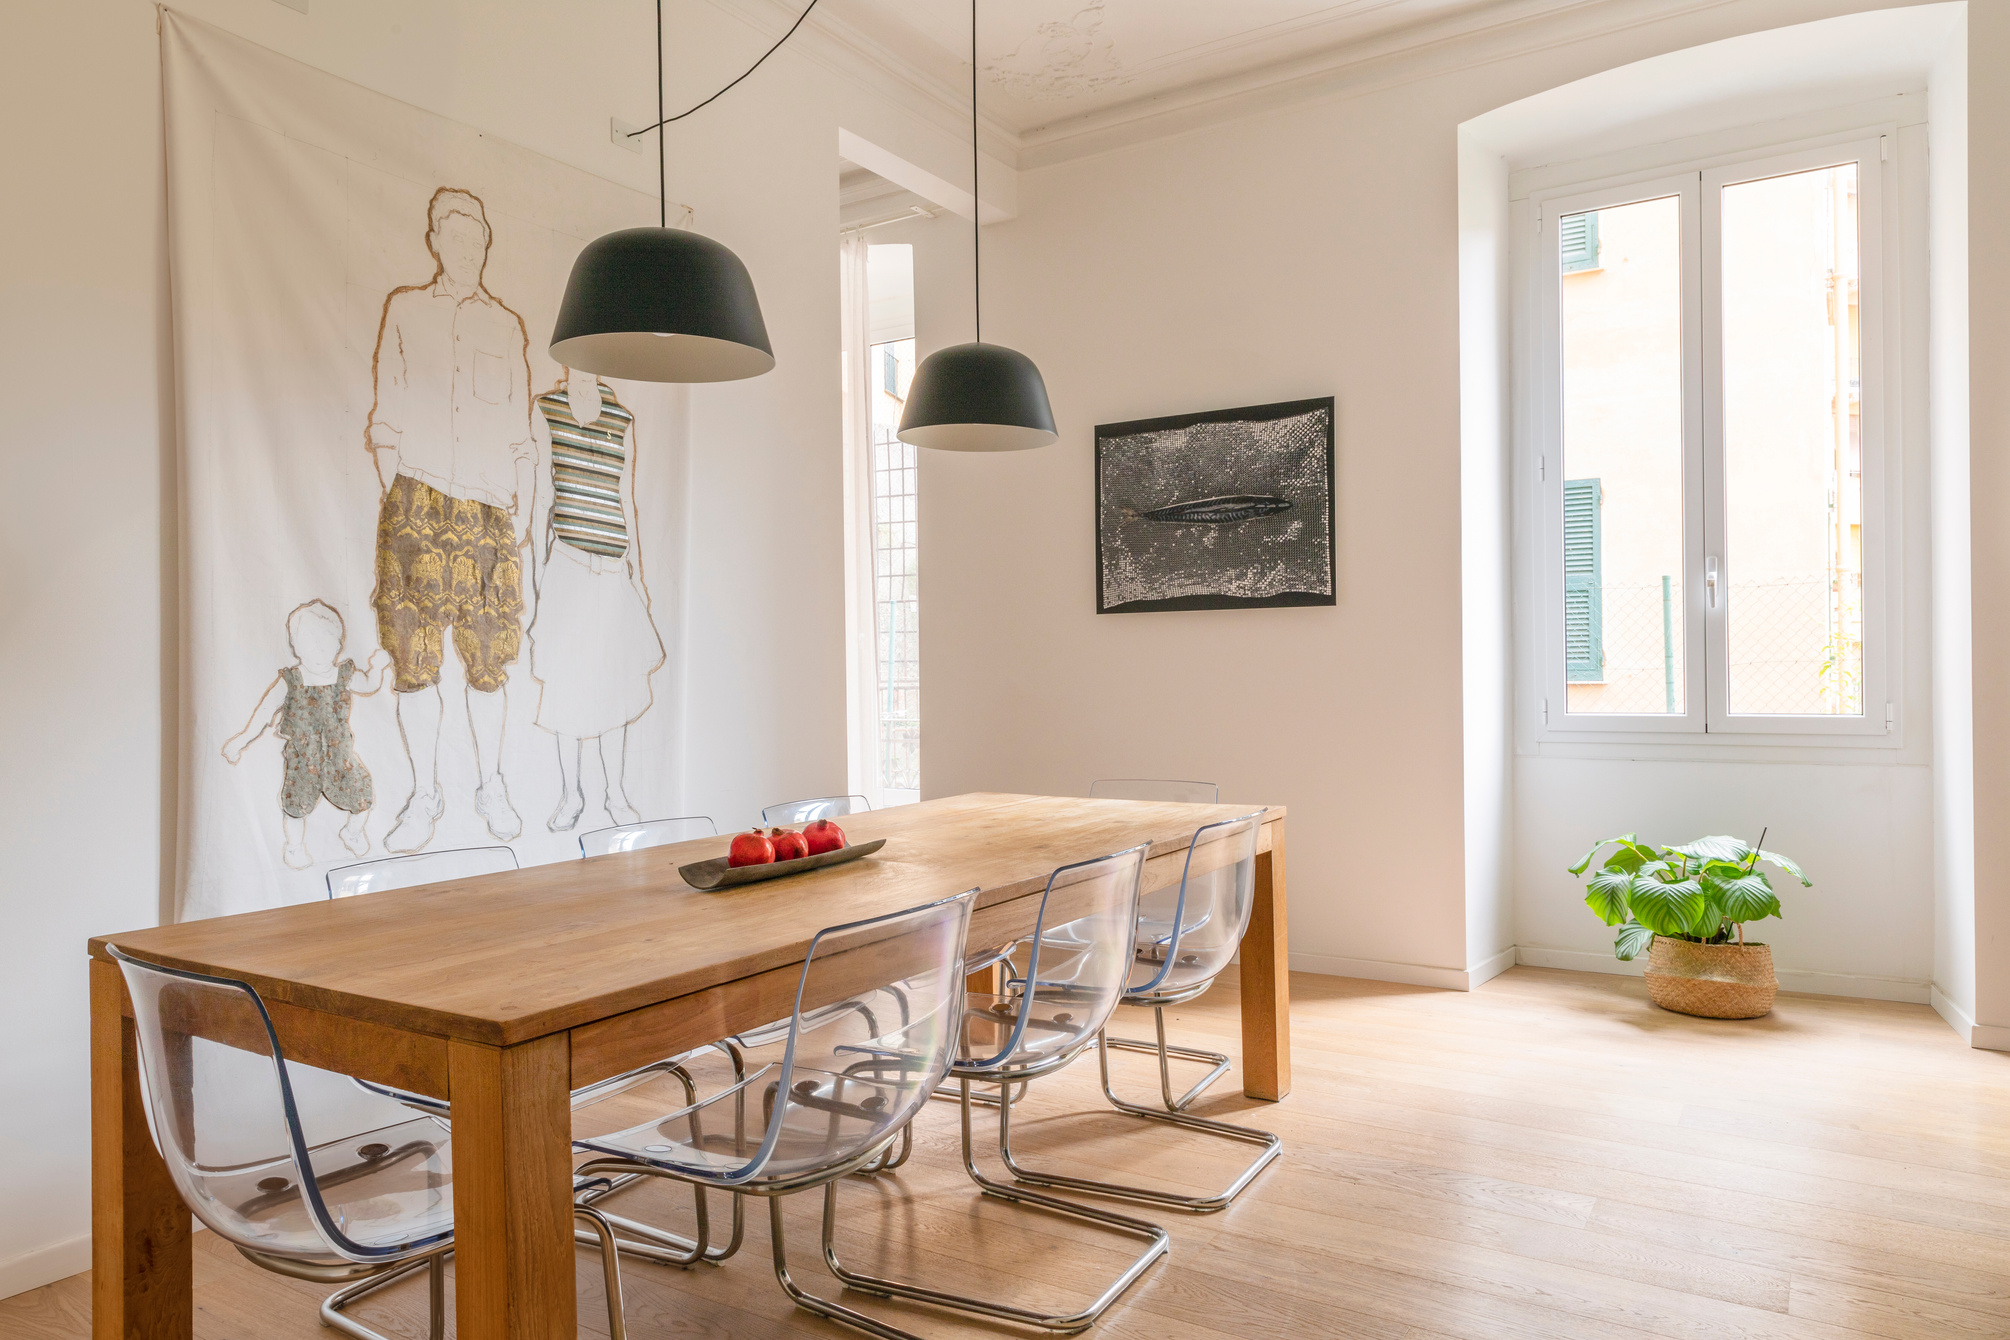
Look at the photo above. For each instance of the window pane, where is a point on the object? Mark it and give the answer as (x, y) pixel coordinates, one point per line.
(897, 608)
(1622, 457)
(1793, 464)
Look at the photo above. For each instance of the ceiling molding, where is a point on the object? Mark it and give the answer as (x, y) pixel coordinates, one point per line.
(1504, 31)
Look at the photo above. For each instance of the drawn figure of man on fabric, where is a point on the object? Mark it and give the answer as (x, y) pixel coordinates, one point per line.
(450, 431)
(312, 716)
(593, 644)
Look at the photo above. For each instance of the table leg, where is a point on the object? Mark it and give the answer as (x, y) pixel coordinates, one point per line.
(513, 1254)
(1266, 981)
(141, 1266)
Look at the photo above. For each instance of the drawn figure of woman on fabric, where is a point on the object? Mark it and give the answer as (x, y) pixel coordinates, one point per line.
(593, 644)
(312, 717)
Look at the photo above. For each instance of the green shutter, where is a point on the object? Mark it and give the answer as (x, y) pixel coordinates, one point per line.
(1577, 235)
(1583, 603)
(890, 366)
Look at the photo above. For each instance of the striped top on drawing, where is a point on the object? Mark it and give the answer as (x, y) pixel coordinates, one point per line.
(586, 465)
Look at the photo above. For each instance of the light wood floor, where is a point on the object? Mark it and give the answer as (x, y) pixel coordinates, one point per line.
(1547, 1158)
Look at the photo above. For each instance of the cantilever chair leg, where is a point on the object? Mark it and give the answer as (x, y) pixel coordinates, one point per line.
(1272, 1146)
(436, 1285)
(1068, 1323)
(1165, 1050)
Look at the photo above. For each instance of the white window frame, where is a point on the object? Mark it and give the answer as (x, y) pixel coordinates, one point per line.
(1705, 651)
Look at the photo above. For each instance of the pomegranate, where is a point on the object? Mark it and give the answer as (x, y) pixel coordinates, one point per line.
(789, 845)
(823, 836)
(750, 848)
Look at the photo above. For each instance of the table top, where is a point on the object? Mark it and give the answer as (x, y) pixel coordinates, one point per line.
(508, 957)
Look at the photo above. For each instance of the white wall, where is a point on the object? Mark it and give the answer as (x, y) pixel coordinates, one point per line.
(1300, 252)
(1988, 132)
(1953, 671)
(87, 623)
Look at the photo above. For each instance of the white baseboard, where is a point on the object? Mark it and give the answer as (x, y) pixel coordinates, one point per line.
(1957, 1018)
(45, 1265)
(1408, 974)
(1990, 1037)
(1861, 986)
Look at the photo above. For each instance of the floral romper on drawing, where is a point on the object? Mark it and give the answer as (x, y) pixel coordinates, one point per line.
(320, 755)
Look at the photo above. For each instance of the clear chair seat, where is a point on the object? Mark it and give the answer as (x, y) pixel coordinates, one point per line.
(384, 1188)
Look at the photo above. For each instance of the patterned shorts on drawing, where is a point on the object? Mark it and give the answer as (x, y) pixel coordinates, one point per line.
(446, 563)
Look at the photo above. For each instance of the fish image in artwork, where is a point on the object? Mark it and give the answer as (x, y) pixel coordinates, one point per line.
(1222, 511)
(307, 706)
(1230, 509)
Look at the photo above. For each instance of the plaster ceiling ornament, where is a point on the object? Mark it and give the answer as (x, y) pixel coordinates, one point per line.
(1062, 59)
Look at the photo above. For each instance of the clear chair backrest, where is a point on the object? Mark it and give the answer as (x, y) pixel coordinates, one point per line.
(1075, 978)
(265, 1151)
(426, 867)
(1151, 788)
(817, 807)
(648, 833)
(852, 1077)
(1188, 933)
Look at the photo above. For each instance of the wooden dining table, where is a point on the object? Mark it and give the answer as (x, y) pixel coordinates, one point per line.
(503, 993)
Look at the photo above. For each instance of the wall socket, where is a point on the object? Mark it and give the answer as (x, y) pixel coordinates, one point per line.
(623, 134)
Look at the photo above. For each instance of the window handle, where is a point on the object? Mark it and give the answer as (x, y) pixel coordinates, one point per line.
(1710, 581)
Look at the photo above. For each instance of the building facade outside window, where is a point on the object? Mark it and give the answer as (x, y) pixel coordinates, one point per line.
(896, 577)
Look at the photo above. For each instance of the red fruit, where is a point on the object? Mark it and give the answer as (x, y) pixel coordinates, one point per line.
(789, 845)
(823, 836)
(751, 848)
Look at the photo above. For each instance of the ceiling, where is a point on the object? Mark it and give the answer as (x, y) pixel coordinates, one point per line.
(1046, 61)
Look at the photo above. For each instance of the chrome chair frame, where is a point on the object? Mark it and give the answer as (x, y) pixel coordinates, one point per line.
(1000, 1069)
(361, 1278)
(1154, 995)
(869, 1158)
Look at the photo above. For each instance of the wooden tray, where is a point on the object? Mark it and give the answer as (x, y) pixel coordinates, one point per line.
(716, 874)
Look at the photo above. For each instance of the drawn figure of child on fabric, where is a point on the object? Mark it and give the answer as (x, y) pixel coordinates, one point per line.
(312, 717)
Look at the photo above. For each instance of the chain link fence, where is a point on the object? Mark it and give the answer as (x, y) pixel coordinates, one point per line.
(1796, 647)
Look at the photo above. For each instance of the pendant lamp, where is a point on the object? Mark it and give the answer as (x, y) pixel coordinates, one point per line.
(664, 304)
(977, 396)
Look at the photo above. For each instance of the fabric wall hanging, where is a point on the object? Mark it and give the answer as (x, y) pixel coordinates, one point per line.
(430, 578)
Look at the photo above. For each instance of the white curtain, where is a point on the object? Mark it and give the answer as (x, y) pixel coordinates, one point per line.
(862, 666)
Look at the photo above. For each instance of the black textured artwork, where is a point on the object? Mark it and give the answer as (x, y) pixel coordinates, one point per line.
(1227, 510)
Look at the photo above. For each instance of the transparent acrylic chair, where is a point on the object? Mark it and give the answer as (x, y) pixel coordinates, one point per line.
(648, 833)
(1176, 960)
(818, 807)
(1155, 926)
(432, 867)
(1053, 1015)
(1154, 788)
(424, 867)
(845, 1086)
(306, 1175)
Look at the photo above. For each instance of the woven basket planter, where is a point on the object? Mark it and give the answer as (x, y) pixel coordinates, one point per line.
(1713, 981)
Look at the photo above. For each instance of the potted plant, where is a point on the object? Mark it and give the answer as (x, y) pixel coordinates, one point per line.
(1691, 903)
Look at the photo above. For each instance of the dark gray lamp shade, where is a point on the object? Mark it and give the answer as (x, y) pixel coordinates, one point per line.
(977, 397)
(661, 305)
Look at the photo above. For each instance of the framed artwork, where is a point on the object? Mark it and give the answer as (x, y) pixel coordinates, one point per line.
(1231, 509)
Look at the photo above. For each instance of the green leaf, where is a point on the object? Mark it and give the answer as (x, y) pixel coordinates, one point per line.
(1746, 895)
(1670, 909)
(1633, 939)
(1625, 840)
(1584, 863)
(1709, 921)
(1715, 849)
(1606, 895)
(1788, 866)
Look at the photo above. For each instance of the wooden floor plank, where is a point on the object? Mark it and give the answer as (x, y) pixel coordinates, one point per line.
(1548, 1158)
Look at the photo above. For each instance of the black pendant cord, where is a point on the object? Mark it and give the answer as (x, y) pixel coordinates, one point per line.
(976, 200)
(661, 119)
(662, 178)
